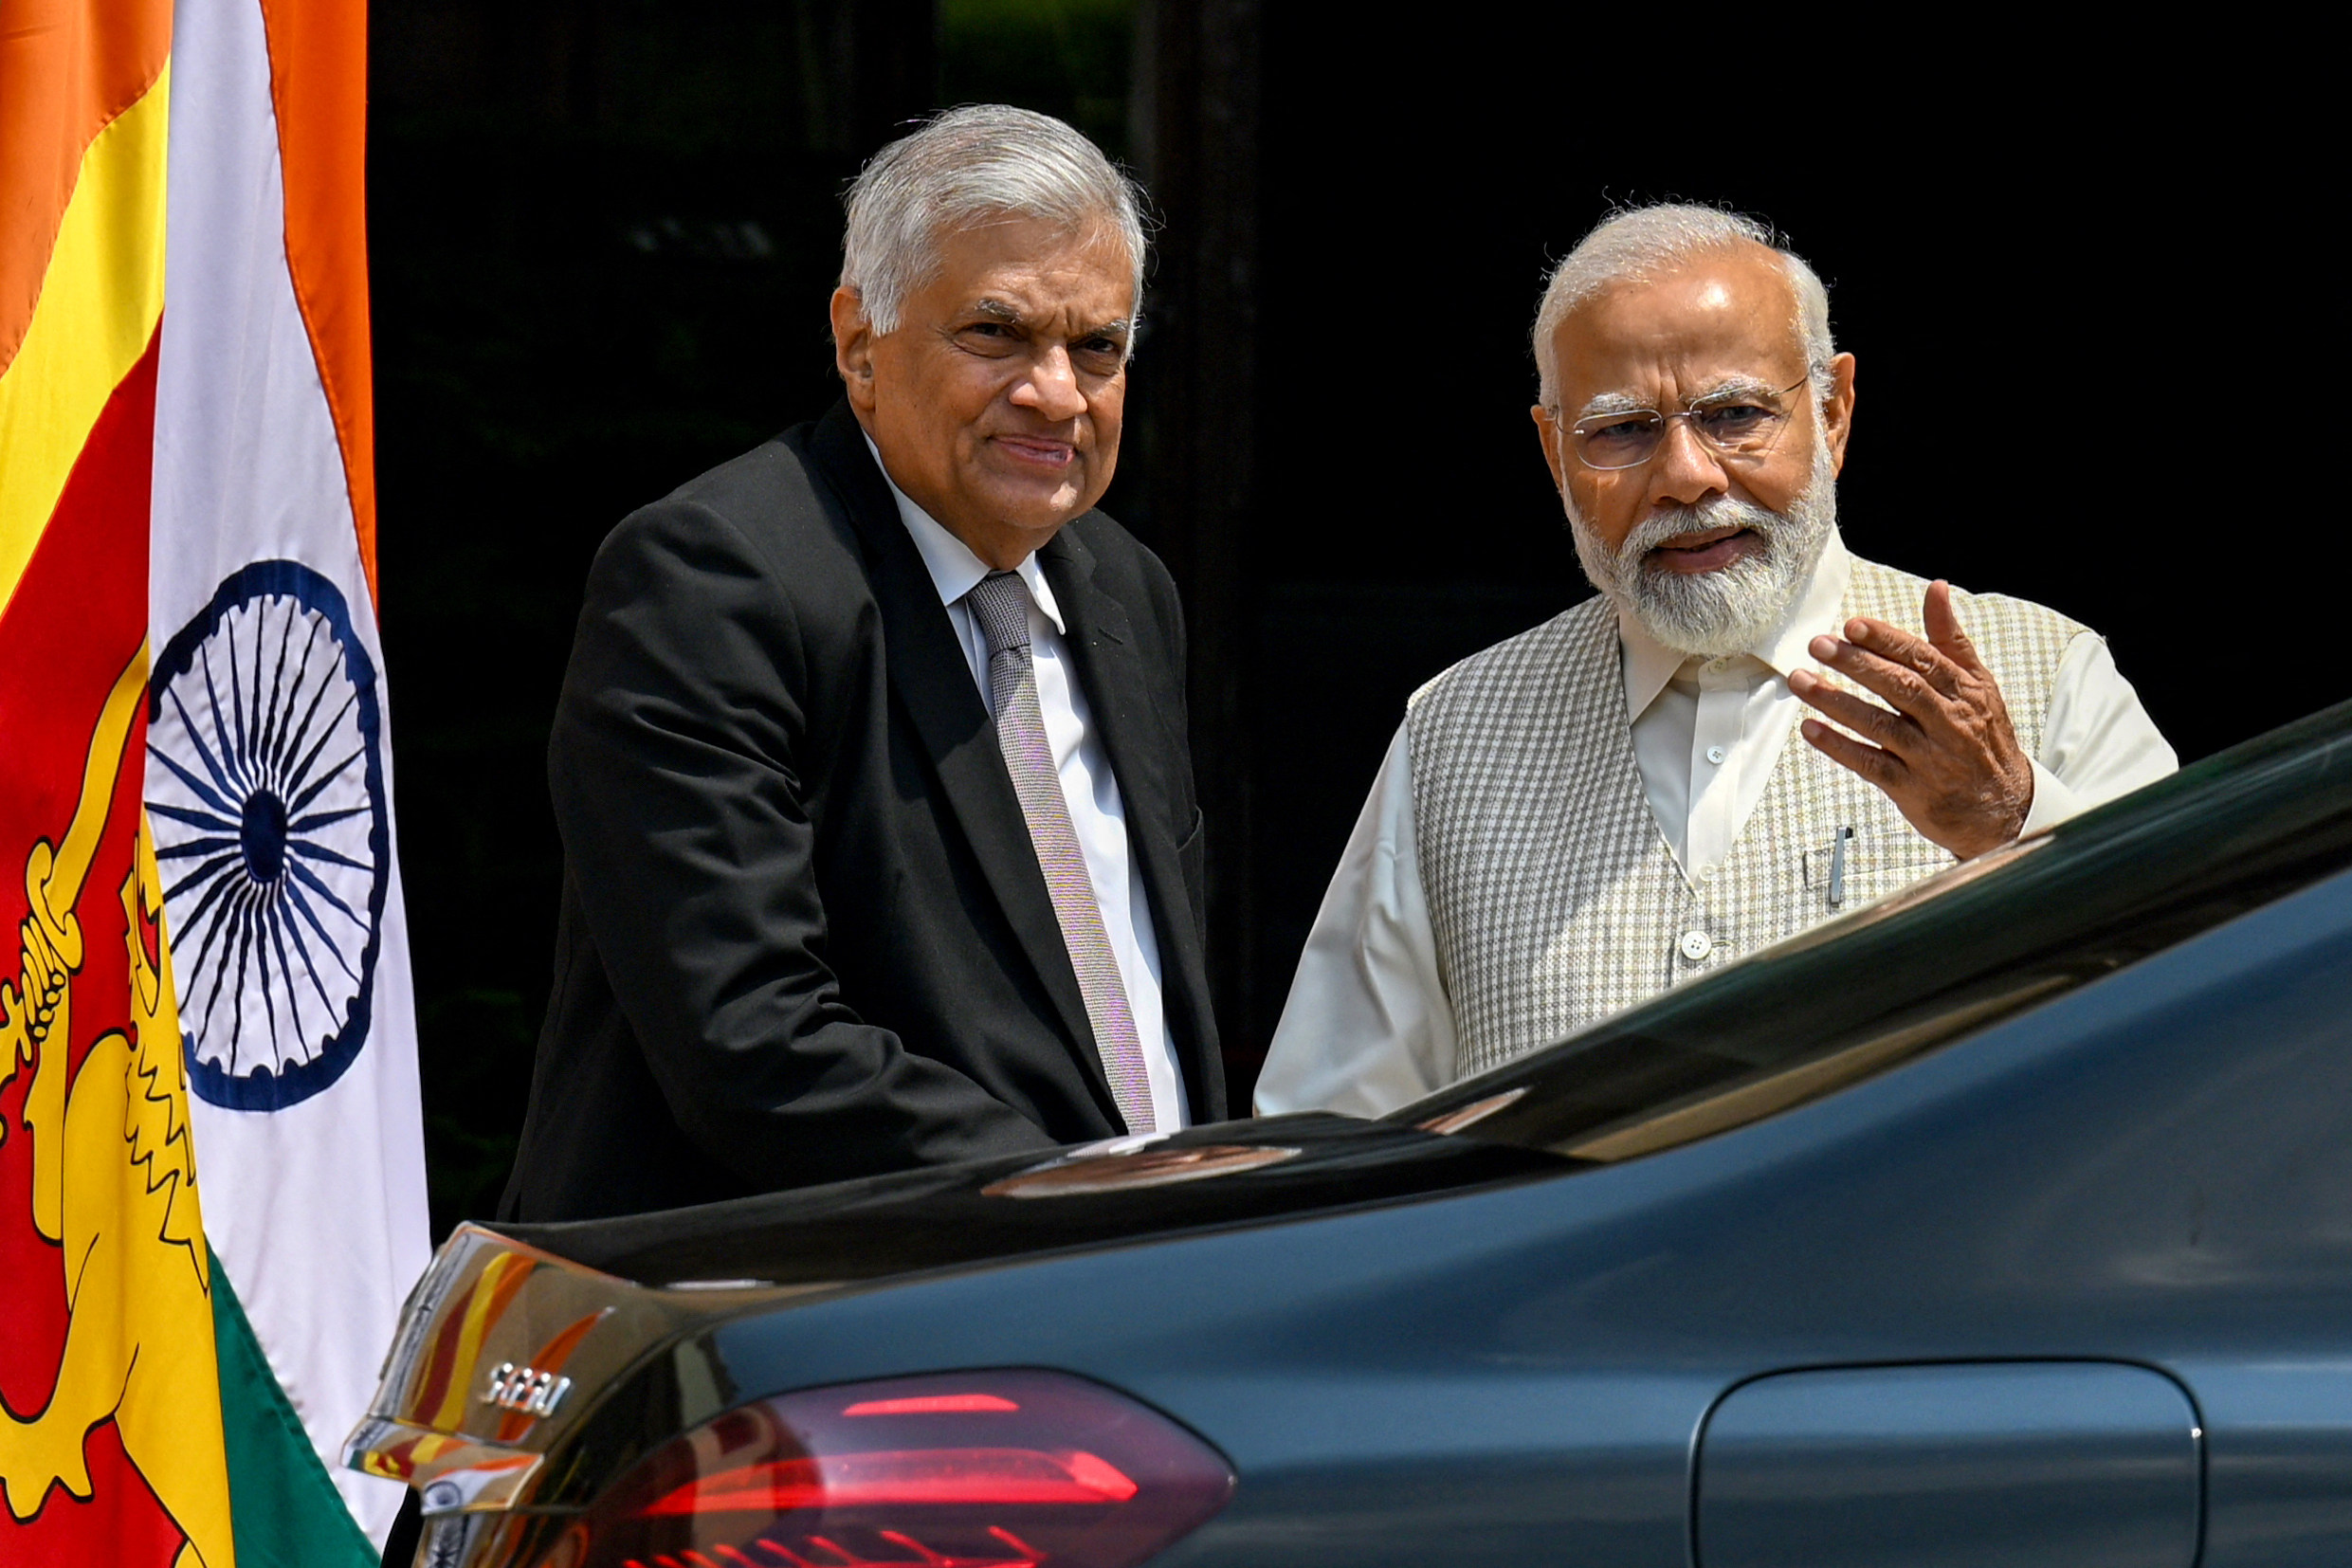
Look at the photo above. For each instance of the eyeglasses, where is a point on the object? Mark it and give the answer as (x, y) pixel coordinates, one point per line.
(1739, 425)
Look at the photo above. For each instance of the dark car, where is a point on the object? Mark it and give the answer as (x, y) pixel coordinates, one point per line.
(2006, 1221)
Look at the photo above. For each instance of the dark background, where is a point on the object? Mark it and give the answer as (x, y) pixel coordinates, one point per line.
(603, 234)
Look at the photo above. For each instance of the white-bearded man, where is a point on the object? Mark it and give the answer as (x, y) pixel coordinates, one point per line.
(1633, 794)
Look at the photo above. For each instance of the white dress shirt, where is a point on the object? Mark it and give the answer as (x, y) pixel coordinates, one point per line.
(1097, 815)
(1368, 1027)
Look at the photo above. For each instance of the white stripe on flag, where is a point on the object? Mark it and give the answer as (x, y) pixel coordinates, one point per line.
(316, 1207)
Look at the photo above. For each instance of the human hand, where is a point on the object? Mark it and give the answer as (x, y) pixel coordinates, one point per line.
(1945, 754)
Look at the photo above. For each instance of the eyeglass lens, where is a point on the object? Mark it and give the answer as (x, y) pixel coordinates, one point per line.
(1620, 441)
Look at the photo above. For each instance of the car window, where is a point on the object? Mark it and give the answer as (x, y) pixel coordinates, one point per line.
(1937, 961)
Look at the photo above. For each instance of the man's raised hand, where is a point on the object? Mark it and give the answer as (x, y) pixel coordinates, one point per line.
(1943, 751)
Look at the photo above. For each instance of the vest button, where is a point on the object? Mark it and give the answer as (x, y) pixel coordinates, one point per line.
(1696, 945)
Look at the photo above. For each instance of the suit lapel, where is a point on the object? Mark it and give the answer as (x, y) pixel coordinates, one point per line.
(1102, 644)
(933, 681)
(1119, 700)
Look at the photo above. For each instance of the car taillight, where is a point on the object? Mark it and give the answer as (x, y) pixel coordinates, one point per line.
(993, 1470)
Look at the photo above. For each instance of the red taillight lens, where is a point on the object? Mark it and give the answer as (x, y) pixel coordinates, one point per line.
(970, 1477)
(998, 1469)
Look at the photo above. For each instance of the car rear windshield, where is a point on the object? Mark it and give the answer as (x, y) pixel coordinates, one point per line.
(1952, 954)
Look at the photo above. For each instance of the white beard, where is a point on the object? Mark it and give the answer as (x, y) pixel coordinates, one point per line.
(1734, 607)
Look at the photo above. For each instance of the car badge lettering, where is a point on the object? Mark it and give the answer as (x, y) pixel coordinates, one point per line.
(526, 1390)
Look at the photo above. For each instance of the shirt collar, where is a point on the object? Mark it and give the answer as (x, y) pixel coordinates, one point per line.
(955, 570)
(1650, 665)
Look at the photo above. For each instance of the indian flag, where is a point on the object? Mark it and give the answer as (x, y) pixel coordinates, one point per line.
(203, 962)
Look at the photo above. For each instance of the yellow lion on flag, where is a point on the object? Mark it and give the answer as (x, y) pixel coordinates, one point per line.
(114, 1183)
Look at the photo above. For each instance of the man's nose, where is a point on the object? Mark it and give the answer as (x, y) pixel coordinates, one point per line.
(1686, 470)
(1051, 386)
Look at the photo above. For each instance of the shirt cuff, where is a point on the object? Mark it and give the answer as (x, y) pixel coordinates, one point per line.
(2054, 802)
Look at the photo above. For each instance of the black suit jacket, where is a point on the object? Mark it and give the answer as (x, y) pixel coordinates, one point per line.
(803, 932)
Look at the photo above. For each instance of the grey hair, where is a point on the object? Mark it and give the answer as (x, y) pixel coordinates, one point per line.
(981, 161)
(1644, 242)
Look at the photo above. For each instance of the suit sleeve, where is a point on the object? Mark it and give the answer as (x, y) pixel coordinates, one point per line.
(676, 764)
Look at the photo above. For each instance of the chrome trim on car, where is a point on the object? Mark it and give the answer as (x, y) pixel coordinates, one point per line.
(503, 1352)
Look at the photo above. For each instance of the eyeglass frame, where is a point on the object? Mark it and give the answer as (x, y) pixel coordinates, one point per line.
(1689, 411)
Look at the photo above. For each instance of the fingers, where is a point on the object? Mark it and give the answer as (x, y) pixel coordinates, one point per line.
(1881, 768)
(1910, 692)
(1898, 647)
(1868, 719)
(1944, 626)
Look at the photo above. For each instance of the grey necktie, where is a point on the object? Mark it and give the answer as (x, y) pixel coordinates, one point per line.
(1001, 602)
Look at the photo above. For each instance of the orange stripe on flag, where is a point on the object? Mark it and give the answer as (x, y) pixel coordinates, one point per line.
(319, 77)
(97, 311)
(66, 72)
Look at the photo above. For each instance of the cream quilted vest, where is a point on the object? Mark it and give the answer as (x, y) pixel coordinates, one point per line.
(1553, 897)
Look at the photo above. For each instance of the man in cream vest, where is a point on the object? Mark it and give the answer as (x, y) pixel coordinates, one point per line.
(1633, 794)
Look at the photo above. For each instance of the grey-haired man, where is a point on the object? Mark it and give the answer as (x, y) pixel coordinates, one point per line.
(870, 764)
(1632, 793)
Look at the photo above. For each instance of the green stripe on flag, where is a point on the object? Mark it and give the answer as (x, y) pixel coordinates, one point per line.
(286, 1512)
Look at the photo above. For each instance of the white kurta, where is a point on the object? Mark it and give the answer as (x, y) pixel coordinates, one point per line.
(1368, 1027)
(1097, 815)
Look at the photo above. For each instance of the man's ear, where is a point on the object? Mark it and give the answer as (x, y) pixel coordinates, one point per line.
(1837, 410)
(853, 348)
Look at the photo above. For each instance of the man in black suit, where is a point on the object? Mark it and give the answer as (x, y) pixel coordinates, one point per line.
(881, 845)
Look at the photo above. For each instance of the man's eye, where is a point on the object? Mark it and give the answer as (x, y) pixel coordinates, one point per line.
(1099, 348)
(1730, 420)
(1627, 431)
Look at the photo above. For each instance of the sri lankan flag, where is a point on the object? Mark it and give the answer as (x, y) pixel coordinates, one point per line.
(202, 961)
